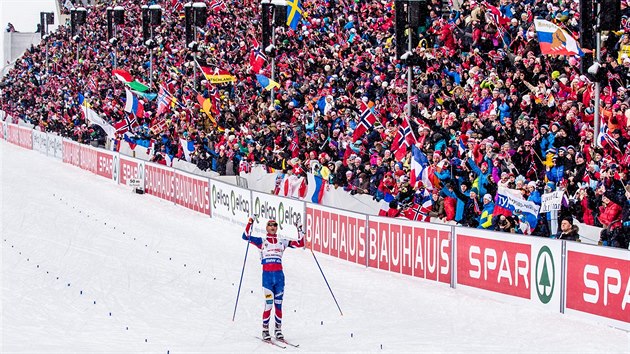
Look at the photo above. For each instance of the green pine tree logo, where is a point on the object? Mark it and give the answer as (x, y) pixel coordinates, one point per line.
(545, 279)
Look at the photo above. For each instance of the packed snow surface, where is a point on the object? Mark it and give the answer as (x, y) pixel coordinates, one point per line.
(90, 267)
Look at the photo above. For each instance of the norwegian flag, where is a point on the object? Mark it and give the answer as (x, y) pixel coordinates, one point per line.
(257, 60)
(92, 84)
(366, 122)
(125, 125)
(217, 5)
(177, 5)
(403, 140)
(294, 147)
(164, 101)
(418, 212)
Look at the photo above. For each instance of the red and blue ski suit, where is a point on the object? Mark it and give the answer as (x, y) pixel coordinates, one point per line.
(271, 251)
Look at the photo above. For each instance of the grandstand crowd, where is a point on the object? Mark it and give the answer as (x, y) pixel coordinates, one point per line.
(488, 109)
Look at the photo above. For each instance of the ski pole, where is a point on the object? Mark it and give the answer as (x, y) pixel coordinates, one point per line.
(238, 294)
(328, 285)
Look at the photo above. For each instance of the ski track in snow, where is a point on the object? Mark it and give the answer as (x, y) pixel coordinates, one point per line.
(76, 247)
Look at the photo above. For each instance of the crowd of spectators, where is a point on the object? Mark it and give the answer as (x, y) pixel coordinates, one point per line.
(487, 108)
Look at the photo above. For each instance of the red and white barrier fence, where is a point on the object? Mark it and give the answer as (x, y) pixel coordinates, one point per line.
(580, 280)
(598, 284)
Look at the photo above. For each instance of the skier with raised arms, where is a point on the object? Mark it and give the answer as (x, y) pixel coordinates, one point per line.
(271, 251)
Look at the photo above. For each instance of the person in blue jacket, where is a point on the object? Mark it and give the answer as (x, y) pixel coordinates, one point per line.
(556, 173)
(485, 220)
(461, 196)
(483, 175)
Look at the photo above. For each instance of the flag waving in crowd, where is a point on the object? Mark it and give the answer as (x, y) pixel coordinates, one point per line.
(555, 40)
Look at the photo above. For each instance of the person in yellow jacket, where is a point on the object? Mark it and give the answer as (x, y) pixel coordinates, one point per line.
(485, 219)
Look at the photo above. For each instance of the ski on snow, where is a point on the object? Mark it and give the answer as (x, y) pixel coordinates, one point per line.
(276, 342)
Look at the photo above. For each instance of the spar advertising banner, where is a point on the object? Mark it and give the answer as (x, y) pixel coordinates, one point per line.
(55, 146)
(107, 164)
(25, 138)
(40, 141)
(339, 233)
(512, 267)
(287, 212)
(130, 168)
(13, 134)
(71, 152)
(409, 247)
(192, 192)
(159, 181)
(598, 284)
(230, 203)
(88, 158)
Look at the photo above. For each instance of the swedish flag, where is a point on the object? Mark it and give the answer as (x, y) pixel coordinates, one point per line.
(294, 13)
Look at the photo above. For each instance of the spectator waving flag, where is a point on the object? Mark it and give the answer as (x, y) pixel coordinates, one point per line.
(217, 5)
(366, 122)
(510, 202)
(257, 60)
(496, 15)
(164, 101)
(125, 125)
(294, 13)
(403, 139)
(266, 82)
(216, 75)
(556, 41)
(607, 141)
(419, 168)
(133, 105)
(122, 75)
(316, 188)
(206, 107)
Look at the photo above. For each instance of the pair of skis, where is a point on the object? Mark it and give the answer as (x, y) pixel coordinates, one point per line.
(280, 343)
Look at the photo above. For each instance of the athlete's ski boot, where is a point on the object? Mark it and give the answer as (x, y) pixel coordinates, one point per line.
(278, 333)
(265, 334)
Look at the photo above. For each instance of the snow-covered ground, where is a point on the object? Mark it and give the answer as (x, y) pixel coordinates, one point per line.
(89, 267)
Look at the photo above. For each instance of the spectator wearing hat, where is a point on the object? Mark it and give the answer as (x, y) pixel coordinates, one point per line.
(556, 172)
(568, 231)
(461, 194)
(546, 139)
(610, 214)
(485, 219)
(483, 173)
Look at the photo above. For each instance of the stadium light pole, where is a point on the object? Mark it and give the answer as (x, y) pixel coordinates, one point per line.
(200, 17)
(77, 18)
(598, 47)
(115, 16)
(155, 19)
(278, 5)
(45, 19)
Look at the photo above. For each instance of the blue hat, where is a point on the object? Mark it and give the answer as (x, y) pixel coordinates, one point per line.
(551, 186)
(544, 126)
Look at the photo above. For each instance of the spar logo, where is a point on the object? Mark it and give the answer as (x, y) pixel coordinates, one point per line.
(284, 216)
(545, 275)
